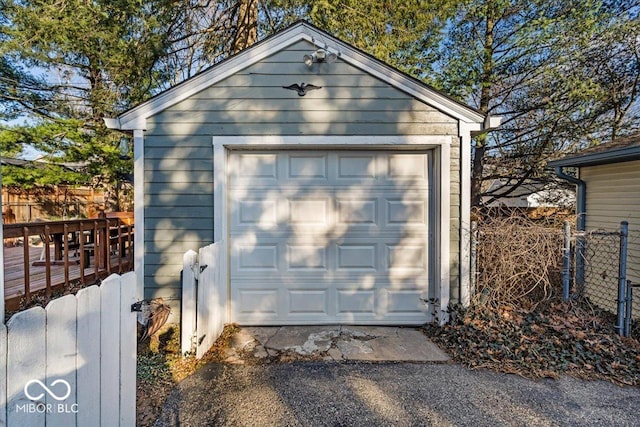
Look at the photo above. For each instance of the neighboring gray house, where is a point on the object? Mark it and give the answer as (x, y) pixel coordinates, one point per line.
(608, 192)
(342, 202)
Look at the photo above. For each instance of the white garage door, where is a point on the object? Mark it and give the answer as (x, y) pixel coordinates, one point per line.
(329, 236)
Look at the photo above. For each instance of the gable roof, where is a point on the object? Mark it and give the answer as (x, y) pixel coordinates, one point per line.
(135, 118)
(619, 150)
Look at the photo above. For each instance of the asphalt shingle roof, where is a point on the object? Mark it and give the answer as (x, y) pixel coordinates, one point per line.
(619, 150)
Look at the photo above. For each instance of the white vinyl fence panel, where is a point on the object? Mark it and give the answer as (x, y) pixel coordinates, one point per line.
(189, 296)
(72, 363)
(61, 318)
(204, 299)
(88, 354)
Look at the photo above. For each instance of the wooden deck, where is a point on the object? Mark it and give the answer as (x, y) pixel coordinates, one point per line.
(14, 274)
(102, 246)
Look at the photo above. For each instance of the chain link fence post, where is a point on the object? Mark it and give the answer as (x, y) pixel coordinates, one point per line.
(566, 264)
(622, 279)
(628, 309)
(580, 262)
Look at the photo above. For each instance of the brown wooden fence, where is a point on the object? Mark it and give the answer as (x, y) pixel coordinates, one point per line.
(68, 254)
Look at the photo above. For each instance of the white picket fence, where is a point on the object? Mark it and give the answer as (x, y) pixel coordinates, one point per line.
(204, 297)
(73, 362)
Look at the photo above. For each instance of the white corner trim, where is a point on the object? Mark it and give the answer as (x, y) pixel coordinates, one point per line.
(219, 192)
(111, 123)
(221, 223)
(138, 208)
(492, 122)
(465, 214)
(441, 145)
(444, 238)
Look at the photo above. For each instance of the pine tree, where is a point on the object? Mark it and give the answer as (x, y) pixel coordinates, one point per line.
(540, 65)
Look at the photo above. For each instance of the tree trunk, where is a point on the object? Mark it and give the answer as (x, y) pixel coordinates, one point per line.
(246, 26)
(477, 169)
(480, 148)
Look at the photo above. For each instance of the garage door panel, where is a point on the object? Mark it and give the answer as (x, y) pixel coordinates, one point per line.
(319, 168)
(308, 301)
(256, 212)
(376, 210)
(258, 301)
(403, 212)
(261, 257)
(309, 211)
(329, 237)
(356, 166)
(248, 166)
(312, 165)
(332, 280)
(406, 302)
(406, 256)
(357, 211)
(346, 258)
(408, 165)
(306, 257)
(361, 301)
(353, 256)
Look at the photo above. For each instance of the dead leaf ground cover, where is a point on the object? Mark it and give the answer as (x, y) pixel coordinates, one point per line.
(518, 322)
(554, 339)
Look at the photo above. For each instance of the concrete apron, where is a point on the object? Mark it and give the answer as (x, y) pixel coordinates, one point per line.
(364, 343)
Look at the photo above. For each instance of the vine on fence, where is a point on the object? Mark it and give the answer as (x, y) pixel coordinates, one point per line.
(519, 262)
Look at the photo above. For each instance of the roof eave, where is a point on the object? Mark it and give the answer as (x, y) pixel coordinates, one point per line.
(112, 123)
(626, 154)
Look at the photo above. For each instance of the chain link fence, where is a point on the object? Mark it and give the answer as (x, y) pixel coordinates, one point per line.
(521, 263)
(599, 267)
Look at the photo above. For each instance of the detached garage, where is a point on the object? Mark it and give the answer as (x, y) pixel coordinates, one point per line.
(337, 186)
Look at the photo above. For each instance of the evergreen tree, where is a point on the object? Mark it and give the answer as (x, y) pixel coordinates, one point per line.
(541, 65)
(89, 60)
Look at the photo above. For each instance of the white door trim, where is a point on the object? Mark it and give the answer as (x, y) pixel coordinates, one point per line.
(442, 197)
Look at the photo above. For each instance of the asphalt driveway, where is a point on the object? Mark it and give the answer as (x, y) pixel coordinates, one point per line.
(330, 393)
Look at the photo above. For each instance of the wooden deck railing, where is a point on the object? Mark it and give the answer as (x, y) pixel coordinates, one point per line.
(74, 253)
